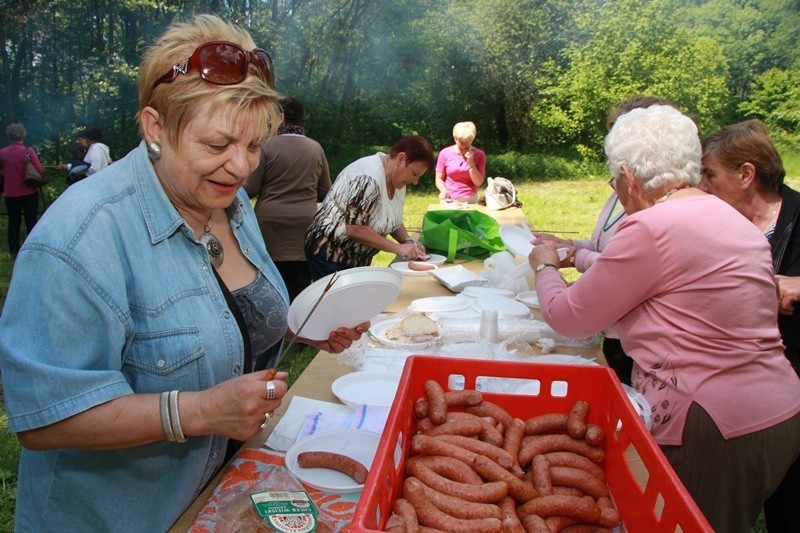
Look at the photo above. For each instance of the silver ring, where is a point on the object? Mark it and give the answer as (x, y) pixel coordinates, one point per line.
(270, 390)
(267, 416)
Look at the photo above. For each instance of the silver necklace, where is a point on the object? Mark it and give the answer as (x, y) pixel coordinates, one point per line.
(213, 246)
(669, 193)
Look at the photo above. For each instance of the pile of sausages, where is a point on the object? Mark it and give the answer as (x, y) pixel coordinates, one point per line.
(475, 468)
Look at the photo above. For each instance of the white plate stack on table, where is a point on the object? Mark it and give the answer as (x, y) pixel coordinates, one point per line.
(356, 296)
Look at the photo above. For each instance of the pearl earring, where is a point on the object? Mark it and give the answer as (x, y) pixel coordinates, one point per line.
(154, 151)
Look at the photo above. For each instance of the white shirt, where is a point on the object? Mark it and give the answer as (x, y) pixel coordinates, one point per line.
(99, 156)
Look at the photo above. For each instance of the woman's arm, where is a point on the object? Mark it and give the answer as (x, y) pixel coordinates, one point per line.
(368, 236)
(234, 408)
(475, 173)
(440, 185)
(788, 292)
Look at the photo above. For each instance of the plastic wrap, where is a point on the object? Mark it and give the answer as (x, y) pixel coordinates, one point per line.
(237, 511)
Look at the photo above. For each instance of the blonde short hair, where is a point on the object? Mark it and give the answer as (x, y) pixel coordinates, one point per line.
(176, 102)
(464, 131)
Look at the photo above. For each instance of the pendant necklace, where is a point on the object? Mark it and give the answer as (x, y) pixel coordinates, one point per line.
(210, 242)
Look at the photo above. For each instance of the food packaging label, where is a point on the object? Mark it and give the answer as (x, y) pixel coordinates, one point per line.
(286, 511)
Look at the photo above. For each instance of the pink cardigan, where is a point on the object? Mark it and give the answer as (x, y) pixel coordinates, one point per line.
(689, 286)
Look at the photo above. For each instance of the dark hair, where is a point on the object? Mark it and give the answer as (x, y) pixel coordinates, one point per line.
(416, 148)
(293, 112)
(747, 142)
(635, 102)
(93, 133)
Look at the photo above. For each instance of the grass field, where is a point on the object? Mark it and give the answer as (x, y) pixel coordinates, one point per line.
(565, 205)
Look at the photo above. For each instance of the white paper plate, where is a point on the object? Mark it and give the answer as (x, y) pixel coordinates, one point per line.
(505, 307)
(378, 332)
(439, 304)
(402, 266)
(357, 295)
(370, 388)
(529, 298)
(436, 259)
(355, 443)
(479, 292)
(456, 278)
(518, 241)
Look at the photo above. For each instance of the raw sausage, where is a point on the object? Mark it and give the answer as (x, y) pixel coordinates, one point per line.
(465, 428)
(491, 471)
(437, 405)
(491, 409)
(420, 266)
(463, 398)
(407, 514)
(431, 516)
(579, 479)
(581, 509)
(448, 467)
(594, 435)
(576, 420)
(484, 493)
(502, 457)
(425, 445)
(552, 443)
(549, 423)
(459, 508)
(541, 475)
(334, 461)
(574, 460)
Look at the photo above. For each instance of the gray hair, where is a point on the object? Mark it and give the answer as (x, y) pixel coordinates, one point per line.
(16, 132)
(659, 145)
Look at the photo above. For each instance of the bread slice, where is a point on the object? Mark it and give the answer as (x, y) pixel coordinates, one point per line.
(413, 329)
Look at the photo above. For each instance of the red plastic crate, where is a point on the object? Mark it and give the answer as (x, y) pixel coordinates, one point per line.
(662, 505)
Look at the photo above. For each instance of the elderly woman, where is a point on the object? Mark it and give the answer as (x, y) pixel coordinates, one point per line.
(461, 168)
(364, 205)
(688, 283)
(21, 200)
(127, 371)
(742, 167)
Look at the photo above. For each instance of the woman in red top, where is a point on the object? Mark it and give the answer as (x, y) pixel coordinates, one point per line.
(20, 199)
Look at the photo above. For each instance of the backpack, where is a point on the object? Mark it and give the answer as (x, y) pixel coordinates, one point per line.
(500, 194)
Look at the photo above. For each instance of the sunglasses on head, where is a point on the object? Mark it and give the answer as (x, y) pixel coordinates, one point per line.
(223, 63)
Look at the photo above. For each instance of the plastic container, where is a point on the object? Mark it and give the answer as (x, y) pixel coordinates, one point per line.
(661, 505)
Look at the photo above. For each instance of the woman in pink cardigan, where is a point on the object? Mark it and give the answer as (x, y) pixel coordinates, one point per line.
(688, 283)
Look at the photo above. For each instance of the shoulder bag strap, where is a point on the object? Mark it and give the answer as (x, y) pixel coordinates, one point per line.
(237, 314)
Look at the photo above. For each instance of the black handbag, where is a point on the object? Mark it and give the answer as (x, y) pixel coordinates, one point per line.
(33, 178)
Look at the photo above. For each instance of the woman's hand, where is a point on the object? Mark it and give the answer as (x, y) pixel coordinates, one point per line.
(235, 408)
(788, 293)
(412, 250)
(543, 253)
(442, 195)
(340, 339)
(539, 238)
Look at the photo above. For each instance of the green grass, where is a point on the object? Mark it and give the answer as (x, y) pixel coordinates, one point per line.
(566, 205)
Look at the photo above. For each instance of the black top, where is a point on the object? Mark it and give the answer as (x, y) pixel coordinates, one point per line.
(785, 243)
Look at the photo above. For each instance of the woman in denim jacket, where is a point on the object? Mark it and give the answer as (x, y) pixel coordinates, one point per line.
(156, 282)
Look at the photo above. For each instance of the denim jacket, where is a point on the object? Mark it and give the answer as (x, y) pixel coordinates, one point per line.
(112, 295)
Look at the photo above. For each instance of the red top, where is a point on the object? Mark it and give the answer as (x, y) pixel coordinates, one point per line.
(12, 158)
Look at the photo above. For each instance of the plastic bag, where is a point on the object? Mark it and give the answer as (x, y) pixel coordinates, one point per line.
(461, 234)
(238, 511)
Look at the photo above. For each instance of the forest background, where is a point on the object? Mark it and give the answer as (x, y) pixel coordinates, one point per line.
(536, 76)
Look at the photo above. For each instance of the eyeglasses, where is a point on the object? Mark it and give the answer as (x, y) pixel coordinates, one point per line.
(613, 183)
(223, 63)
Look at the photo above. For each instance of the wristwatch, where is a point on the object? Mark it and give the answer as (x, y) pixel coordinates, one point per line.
(543, 266)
